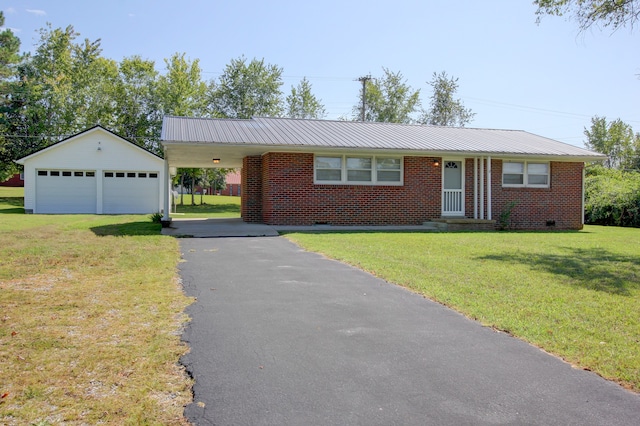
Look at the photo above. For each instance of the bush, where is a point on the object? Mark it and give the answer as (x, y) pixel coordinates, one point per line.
(156, 217)
(612, 197)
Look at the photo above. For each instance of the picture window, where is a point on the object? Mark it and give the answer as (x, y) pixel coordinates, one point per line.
(358, 170)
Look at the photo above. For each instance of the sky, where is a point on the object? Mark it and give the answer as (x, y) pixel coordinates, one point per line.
(548, 78)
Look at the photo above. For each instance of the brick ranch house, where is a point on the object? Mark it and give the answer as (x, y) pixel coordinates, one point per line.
(306, 172)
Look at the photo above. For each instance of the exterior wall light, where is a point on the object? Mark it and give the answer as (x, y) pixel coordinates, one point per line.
(216, 160)
(436, 163)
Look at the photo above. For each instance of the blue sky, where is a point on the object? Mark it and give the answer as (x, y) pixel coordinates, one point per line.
(547, 79)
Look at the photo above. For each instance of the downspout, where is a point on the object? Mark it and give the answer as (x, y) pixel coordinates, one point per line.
(489, 188)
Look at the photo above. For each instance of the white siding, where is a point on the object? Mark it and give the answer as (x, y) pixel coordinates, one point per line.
(97, 150)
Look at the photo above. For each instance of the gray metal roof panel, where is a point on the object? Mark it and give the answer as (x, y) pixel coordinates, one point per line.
(359, 135)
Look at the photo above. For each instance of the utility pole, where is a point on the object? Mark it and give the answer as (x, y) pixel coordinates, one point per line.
(364, 80)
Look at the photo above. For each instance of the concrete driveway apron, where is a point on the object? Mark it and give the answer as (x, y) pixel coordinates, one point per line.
(280, 336)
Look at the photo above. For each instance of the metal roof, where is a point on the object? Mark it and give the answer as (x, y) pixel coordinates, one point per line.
(351, 135)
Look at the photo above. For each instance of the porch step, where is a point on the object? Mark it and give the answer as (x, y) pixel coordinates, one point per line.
(435, 226)
(460, 224)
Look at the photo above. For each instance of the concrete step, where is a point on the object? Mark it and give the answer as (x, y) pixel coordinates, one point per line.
(435, 226)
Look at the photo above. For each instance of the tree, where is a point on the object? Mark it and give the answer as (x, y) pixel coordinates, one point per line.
(138, 116)
(608, 13)
(215, 179)
(247, 90)
(61, 89)
(388, 99)
(9, 58)
(616, 140)
(181, 91)
(301, 103)
(444, 110)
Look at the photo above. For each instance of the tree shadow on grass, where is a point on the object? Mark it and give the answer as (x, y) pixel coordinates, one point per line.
(11, 205)
(592, 269)
(127, 229)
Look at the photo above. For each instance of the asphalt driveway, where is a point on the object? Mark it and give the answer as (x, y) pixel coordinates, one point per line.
(280, 336)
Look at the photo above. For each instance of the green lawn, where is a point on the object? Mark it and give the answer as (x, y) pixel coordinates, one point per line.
(208, 206)
(574, 294)
(90, 320)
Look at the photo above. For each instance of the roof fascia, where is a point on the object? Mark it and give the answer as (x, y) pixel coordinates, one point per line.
(262, 149)
(77, 135)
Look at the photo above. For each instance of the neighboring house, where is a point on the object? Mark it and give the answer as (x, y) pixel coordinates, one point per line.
(305, 172)
(17, 180)
(95, 171)
(233, 184)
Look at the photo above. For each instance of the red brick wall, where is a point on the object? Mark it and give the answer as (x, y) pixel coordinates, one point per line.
(278, 189)
(251, 183)
(231, 189)
(560, 203)
(290, 197)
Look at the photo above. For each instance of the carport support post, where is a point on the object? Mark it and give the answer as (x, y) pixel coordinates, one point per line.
(167, 187)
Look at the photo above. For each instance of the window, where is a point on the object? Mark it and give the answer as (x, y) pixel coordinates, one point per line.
(108, 174)
(119, 174)
(153, 175)
(54, 173)
(131, 175)
(42, 172)
(142, 175)
(329, 169)
(524, 173)
(66, 173)
(90, 174)
(79, 174)
(358, 169)
(365, 170)
(388, 169)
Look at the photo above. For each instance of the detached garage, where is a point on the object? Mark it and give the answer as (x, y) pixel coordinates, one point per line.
(94, 172)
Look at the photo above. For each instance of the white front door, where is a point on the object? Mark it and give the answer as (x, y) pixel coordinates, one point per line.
(452, 188)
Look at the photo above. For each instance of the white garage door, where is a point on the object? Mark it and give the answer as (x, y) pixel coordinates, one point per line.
(130, 192)
(65, 191)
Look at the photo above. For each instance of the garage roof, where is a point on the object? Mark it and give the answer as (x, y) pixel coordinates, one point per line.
(96, 128)
(270, 134)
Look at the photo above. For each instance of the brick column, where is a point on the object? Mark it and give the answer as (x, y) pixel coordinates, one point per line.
(251, 183)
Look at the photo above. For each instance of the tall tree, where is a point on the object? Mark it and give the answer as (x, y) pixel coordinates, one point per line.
(614, 139)
(608, 13)
(302, 103)
(9, 59)
(245, 90)
(181, 91)
(63, 88)
(444, 110)
(138, 115)
(388, 99)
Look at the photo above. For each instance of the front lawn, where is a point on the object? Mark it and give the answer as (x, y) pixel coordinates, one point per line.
(208, 206)
(574, 294)
(90, 320)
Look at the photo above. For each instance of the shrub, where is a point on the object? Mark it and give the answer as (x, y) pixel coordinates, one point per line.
(156, 217)
(612, 197)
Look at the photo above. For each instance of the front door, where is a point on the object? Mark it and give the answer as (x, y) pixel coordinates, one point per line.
(452, 189)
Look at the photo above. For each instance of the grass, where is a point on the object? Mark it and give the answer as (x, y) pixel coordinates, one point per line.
(91, 319)
(211, 206)
(574, 294)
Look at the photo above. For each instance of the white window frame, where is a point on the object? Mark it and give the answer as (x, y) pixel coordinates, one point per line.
(525, 178)
(374, 170)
